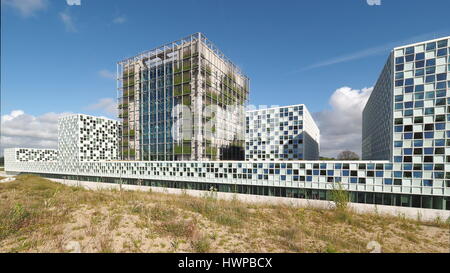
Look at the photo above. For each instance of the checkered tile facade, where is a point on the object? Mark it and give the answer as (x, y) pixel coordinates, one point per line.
(281, 133)
(87, 138)
(36, 155)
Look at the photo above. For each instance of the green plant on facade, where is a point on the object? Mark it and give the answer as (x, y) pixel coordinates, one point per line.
(211, 150)
(128, 72)
(176, 69)
(177, 79)
(186, 65)
(187, 100)
(182, 149)
(186, 89)
(128, 83)
(186, 77)
(187, 54)
(231, 77)
(177, 91)
(207, 68)
(211, 94)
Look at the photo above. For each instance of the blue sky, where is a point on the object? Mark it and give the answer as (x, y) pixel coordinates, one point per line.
(59, 58)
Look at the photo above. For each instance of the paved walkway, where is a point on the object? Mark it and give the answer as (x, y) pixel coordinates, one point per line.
(3, 174)
(8, 179)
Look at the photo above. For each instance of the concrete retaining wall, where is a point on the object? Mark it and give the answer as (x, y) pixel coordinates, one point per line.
(412, 213)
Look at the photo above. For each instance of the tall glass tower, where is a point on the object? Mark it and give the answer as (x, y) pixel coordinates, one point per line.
(182, 101)
(407, 118)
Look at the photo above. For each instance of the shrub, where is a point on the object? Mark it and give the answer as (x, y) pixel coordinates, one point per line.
(13, 219)
(202, 244)
(340, 197)
(180, 228)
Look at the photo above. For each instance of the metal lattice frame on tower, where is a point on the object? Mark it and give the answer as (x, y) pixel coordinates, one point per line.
(182, 101)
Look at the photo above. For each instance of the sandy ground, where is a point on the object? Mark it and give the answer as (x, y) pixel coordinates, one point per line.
(37, 215)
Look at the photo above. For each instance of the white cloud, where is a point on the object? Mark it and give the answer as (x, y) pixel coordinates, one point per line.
(67, 19)
(120, 20)
(19, 129)
(341, 126)
(26, 8)
(13, 115)
(105, 73)
(107, 106)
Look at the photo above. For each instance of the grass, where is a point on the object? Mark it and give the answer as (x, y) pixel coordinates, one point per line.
(37, 215)
(201, 244)
(340, 197)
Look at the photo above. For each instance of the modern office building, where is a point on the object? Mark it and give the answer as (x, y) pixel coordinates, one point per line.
(182, 101)
(377, 138)
(35, 155)
(411, 100)
(369, 182)
(87, 138)
(407, 118)
(281, 133)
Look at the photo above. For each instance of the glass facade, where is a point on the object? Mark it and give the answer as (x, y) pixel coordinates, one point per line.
(418, 99)
(182, 101)
(366, 180)
(281, 133)
(377, 118)
(421, 125)
(375, 198)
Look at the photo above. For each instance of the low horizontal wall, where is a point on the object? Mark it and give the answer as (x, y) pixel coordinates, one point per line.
(412, 213)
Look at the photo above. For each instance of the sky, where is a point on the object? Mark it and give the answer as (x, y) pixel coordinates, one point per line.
(59, 56)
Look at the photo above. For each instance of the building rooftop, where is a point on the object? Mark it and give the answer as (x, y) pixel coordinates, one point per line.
(277, 107)
(193, 37)
(421, 42)
(79, 114)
